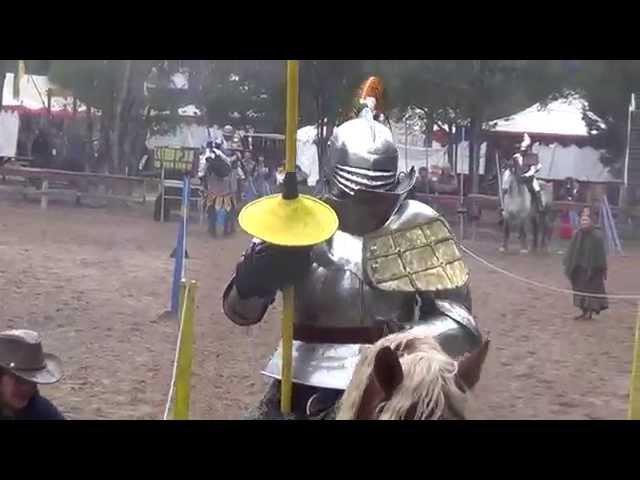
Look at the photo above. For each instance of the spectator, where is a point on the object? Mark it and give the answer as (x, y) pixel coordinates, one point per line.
(447, 182)
(24, 366)
(585, 265)
(422, 183)
(41, 150)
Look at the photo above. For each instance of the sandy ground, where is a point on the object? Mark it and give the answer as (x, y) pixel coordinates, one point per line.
(94, 280)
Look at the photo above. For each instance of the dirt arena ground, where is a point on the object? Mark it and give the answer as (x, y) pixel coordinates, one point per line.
(93, 282)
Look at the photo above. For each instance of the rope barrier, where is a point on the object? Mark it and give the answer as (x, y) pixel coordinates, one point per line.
(543, 286)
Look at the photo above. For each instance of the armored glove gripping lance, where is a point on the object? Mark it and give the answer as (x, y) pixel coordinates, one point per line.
(266, 268)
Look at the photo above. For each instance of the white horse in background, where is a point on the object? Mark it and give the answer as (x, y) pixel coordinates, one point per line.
(519, 210)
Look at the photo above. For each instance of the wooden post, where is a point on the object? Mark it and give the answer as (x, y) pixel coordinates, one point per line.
(49, 102)
(634, 389)
(44, 198)
(185, 355)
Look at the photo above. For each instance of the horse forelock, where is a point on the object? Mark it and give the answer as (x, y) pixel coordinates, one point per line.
(428, 384)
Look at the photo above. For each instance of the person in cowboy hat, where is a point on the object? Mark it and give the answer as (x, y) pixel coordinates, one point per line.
(23, 366)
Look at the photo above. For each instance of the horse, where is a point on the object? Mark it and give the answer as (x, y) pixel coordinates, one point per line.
(407, 376)
(518, 210)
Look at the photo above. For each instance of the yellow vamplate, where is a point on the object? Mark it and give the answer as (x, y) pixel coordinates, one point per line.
(301, 222)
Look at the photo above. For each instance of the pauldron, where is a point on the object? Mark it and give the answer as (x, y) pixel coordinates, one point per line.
(422, 258)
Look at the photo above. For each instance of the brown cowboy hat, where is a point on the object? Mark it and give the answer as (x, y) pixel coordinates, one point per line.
(21, 353)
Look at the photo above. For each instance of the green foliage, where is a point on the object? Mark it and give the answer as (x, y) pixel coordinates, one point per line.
(607, 85)
(243, 92)
(445, 91)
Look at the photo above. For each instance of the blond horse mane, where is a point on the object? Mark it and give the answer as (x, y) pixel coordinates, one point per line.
(428, 382)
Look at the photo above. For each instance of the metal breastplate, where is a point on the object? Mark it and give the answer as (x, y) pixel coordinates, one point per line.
(335, 293)
(344, 291)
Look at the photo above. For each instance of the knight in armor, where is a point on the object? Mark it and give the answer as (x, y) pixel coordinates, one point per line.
(217, 170)
(530, 171)
(393, 264)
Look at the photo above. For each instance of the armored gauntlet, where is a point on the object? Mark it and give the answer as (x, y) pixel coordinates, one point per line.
(266, 268)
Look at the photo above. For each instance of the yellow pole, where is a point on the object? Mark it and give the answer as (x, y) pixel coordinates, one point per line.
(185, 356)
(634, 389)
(292, 114)
(288, 312)
(288, 294)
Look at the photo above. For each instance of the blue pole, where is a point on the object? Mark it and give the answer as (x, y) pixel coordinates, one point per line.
(178, 269)
(186, 197)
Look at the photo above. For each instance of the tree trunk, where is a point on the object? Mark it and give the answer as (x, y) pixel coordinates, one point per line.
(105, 142)
(474, 152)
(453, 140)
(118, 117)
(429, 123)
(89, 150)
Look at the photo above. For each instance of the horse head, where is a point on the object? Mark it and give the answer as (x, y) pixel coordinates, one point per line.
(407, 376)
(508, 177)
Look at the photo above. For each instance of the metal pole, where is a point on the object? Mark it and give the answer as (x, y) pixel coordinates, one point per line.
(499, 177)
(406, 149)
(162, 194)
(186, 194)
(461, 191)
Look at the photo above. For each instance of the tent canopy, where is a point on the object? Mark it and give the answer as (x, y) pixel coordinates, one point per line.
(583, 164)
(33, 95)
(561, 117)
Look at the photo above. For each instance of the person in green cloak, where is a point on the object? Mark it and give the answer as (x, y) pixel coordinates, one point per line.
(585, 264)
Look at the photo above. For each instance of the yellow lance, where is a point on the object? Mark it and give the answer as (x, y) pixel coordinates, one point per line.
(289, 220)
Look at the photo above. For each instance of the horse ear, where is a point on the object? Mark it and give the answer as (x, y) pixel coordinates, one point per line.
(470, 366)
(387, 371)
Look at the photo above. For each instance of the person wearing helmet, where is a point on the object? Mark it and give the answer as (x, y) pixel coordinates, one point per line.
(393, 265)
(530, 165)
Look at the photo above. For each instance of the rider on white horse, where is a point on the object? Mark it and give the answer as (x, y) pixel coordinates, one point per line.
(530, 174)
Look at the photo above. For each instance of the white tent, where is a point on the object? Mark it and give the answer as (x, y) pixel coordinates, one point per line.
(561, 117)
(33, 95)
(186, 136)
(583, 164)
(9, 125)
(410, 155)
